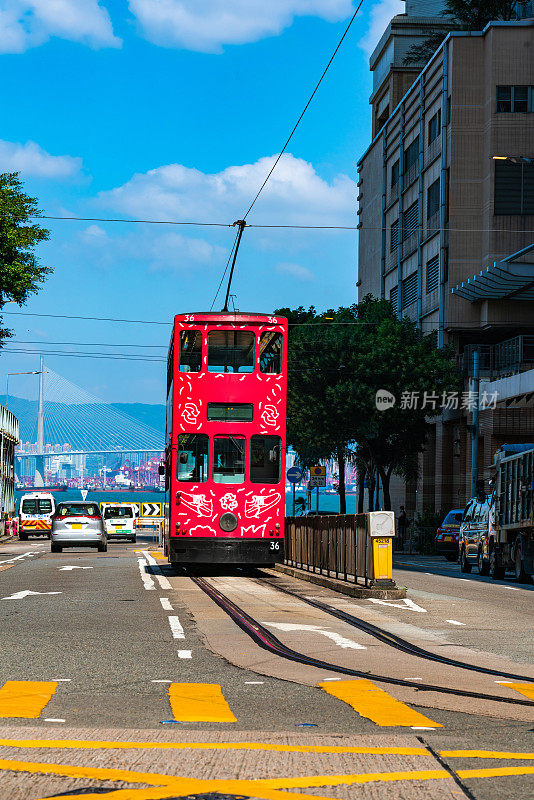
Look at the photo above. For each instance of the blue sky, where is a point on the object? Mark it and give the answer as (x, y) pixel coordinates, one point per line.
(173, 110)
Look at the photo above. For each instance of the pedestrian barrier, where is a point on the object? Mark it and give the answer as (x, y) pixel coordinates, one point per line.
(347, 546)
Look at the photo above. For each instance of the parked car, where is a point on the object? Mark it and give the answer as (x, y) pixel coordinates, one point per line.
(448, 534)
(474, 535)
(78, 524)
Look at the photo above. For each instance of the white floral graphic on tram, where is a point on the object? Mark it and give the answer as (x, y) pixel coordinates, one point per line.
(229, 502)
(190, 413)
(270, 415)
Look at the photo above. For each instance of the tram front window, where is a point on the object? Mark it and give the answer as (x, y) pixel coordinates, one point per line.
(229, 459)
(271, 352)
(190, 351)
(192, 457)
(265, 459)
(230, 351)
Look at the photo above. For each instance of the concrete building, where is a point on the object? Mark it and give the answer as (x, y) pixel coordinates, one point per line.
(446, 218)
(9, 438)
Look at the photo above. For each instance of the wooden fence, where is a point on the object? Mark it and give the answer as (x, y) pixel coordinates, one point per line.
(336, 545)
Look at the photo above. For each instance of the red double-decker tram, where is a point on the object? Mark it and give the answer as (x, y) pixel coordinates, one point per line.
(226, 439)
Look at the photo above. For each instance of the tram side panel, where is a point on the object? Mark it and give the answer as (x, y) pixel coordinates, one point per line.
(226, 499)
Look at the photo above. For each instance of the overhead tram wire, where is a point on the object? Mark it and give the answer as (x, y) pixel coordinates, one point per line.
(242, 223)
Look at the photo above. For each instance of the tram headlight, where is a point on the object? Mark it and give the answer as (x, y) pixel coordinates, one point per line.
(228, 522)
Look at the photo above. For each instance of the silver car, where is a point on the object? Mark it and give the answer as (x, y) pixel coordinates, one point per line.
(78, 524)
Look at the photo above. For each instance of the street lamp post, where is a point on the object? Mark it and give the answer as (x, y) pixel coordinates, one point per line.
(33, 372)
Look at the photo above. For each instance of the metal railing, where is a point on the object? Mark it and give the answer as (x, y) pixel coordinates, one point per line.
(335, 545)
(501, 359)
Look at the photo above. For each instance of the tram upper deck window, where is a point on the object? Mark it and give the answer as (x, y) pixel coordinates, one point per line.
(271, 352)
(229, 459)
(230, 351)
(265, 458)
(192, 457)
(190, 351)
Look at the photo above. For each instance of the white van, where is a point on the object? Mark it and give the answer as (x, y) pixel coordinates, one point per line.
(36, 510)
(119, 520)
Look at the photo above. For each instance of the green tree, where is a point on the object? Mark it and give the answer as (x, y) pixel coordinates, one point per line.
(338, 361)
(20, 271)
(464, 15)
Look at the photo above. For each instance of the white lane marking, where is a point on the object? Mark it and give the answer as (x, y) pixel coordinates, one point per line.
(161, 681)
(16, 558)
(176, 628)
(161, 579)
(25, 593)
(331, 679)
(253, 683)
(148, 583)
(335, 637)
(52, 719)
(61, 680)
(165, 604)
(454, 622)
(409, 605)
(420, 728)
(512, 588)
(184, 654)
(69, 568)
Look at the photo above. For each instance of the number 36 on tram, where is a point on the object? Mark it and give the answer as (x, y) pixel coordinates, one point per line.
(226, 439)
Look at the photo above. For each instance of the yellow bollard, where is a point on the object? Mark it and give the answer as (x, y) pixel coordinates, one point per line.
(383, 559)
(381, 529)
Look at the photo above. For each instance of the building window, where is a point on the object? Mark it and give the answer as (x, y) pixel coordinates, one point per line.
(394, 236)
(514, 188)
(515, 99)
(229, 459)
(409, 290)
(395, 174)
(190, 351)
(434, 125)
(230, 351)
(271, 352)
(432, 199)
(432, 274)
(394, 297)
(410, 221)
(411, 154)
(265, 459)
(192, 457)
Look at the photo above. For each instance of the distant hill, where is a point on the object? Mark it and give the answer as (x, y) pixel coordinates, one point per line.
(59, 418)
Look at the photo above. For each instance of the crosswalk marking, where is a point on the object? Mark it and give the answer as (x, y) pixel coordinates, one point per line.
(523, 688)
(373, 703)
(199, 702)
(25, 699)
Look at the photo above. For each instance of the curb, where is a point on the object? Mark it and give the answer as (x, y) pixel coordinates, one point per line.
(341, 586)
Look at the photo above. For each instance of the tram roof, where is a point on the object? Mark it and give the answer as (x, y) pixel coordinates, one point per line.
(228, 317)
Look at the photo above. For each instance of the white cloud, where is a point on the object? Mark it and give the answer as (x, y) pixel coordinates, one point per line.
(28, 23)
(208, 25)
(295, 270)
(380, 16)
(295, 194)
(32, 161)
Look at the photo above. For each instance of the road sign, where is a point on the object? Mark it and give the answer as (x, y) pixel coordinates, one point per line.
(317, 480)
(151, 510)
(294, 475)
(318, 471)
(84, 493)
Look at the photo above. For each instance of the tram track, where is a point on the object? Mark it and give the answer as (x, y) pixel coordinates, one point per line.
(268, 641)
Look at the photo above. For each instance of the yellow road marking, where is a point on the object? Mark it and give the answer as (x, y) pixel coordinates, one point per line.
(486, 754)
(199, 702)
(523, 688)
(6, 566)
(89, 744)
(25, 699)
(496, 772)
(373, 703)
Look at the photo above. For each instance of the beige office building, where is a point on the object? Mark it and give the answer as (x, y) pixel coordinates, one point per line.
(446, 207)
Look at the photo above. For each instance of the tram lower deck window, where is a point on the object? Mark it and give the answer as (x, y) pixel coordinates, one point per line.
(192, 457)
(265, 459)
(229, 459)
(231, 351)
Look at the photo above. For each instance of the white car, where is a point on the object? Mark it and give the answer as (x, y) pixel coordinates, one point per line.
(120, 520)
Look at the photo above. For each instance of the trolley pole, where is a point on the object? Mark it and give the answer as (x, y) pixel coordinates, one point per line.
(242, 225)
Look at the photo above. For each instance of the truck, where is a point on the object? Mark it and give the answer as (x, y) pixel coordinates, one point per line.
(511, 519)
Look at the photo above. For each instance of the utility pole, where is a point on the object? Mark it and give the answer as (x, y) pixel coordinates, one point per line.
(39, 458)
(475, 422)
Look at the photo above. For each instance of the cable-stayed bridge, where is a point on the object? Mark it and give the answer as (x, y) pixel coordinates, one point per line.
(71, 421)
